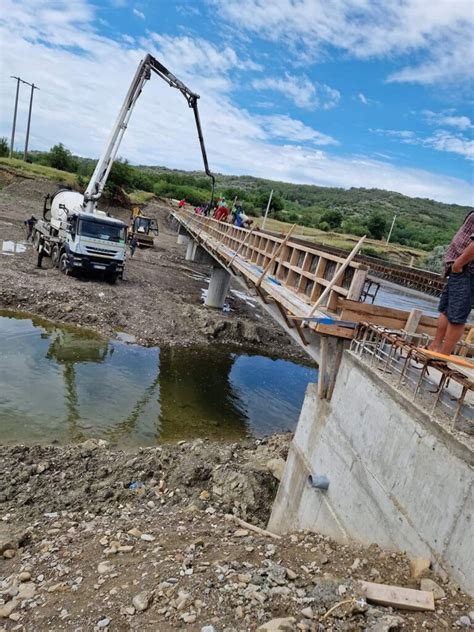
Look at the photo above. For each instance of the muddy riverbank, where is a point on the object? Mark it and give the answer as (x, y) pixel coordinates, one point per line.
(158, 302)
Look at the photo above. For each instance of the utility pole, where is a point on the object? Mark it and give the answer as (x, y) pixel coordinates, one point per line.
(268, 207)
(14, 113)
(391, 228)
(33, 88)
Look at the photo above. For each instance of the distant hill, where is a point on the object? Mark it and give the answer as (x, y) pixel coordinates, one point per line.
(421, 222)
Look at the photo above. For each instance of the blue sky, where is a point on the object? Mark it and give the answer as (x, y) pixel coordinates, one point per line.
(331, 92)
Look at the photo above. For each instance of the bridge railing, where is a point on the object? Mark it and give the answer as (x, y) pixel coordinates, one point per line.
(302, 269)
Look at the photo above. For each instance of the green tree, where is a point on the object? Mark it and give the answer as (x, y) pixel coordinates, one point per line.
(61, 158)
(377, 225)
(333, 218)
(121, 175)
(4, 149)
(434, 260)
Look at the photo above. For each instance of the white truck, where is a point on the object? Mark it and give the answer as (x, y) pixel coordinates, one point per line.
(73, 232)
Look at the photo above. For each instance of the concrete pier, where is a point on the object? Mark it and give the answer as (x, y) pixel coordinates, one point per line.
(218, 287)
(396, 477)
(191, 250)
(183, 236)
(202, 256)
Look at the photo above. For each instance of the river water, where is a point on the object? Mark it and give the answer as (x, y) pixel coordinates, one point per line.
(63, 384)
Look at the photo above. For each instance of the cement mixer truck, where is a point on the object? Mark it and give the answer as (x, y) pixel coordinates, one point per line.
(73, 232)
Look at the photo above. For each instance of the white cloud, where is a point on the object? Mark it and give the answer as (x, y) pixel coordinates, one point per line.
(84, 76)
(439, 33)
(139, 14)
(304, 93)
(456, 144)
(365, 100)
(448, 119)
(293, 130)
(441, 140)
(395, 133)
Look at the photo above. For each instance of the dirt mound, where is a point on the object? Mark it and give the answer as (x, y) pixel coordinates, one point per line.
(94, 539)
(89, 478)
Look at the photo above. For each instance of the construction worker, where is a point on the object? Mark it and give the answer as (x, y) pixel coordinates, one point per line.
(133, 245)
(29, 225)
(40, 253)
(457, 298)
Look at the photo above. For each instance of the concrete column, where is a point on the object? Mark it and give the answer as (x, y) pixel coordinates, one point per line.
(202, 256)
(183, 236)
(218, 287)
(191, 250)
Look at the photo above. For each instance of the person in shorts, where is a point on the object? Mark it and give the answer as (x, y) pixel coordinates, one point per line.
(457, 298)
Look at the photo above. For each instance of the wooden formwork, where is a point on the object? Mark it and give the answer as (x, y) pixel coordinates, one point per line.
(300, 268)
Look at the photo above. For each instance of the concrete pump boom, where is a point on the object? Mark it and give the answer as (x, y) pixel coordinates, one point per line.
(98, 180)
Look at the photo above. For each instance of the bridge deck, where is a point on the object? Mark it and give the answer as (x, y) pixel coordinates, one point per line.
(292, 274)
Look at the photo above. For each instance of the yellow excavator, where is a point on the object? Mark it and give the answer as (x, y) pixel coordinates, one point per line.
(142, 227)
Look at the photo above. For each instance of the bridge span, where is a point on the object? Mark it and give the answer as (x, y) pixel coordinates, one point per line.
(383, 450)
(297, 284)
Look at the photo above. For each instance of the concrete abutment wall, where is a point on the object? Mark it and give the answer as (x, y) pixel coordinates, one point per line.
(397, 478)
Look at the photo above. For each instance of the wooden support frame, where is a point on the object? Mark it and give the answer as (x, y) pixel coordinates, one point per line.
(301, 269)
(322, 368)
(338, 274)
(335, 368)
(275, 254)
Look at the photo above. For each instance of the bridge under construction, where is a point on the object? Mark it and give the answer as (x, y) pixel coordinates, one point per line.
(387, 431)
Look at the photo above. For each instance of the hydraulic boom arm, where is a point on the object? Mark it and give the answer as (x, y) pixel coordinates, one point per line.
(98, 180)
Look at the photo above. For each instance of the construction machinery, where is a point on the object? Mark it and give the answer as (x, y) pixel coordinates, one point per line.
(143, 228)
(73, 232)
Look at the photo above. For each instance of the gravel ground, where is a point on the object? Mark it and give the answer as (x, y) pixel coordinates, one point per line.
(96, 539)
(92, 538)
(158, 302)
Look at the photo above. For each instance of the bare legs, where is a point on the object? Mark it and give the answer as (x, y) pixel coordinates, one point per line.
(437, 343)
(447, 336)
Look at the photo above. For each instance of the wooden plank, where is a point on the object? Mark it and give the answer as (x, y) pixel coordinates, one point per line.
(334, 330)
(413, 321)
(335, 368)
(322, 367)
(276, 253)
(338, 274)
(453, 359)
(398, 597)
(357, 284)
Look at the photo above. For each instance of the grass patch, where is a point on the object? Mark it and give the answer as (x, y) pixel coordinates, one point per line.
(140, 197)
(34, 169)
(392, 252)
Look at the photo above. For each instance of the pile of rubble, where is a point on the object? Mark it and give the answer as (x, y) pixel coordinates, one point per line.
(161, 539)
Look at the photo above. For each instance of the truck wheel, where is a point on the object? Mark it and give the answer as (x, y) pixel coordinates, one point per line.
(111, 278)
(63, 264)
(55, 256)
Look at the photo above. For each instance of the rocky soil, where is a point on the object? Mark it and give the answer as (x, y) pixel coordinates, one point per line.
(94, 539)
(158, 302)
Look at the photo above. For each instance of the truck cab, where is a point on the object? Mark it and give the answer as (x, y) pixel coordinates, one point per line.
(94, 242)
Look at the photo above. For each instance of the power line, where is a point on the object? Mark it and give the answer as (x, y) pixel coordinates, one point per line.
(15, 111)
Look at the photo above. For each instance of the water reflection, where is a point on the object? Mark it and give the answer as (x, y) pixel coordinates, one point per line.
(61, 383)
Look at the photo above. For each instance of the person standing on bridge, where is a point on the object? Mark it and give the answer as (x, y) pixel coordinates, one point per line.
(457, 298)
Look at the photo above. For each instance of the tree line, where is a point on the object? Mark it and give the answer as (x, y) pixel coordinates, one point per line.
(420, 223)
